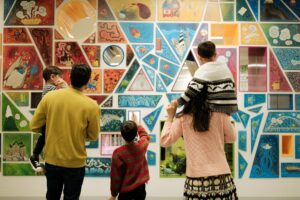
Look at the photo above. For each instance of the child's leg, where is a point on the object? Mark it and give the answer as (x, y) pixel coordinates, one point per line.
(40, 144)
(34, 159)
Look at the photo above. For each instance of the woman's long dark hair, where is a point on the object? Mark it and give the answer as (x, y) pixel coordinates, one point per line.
(200, 111)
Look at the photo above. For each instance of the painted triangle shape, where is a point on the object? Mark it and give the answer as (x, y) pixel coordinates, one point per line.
(150, 73)
(43, 40)
(142, 49)
(167, 80)
(182, 80)
(58, 36)
(266, 160)
(256, 110)
(152, 61)
(7, 7)
(138, 32)
(151, 119)
(255, 125)
(108, 103)
(91, 39)
(140, 83)
(278, 82)
(244, 117)
(92, 52)
(16, 35)
(242, 165)
(294, 80)
(98, 98)
(104, 12)
(162, 48)
(112, 78)
(128, 77)
(129, 54)
(202, 34)
(294, 6)
(254, 7)
(159, 85)
(179, 36)
(236, 117)
(13, 118)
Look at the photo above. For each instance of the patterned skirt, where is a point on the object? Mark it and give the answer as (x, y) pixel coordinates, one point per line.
(219, 187)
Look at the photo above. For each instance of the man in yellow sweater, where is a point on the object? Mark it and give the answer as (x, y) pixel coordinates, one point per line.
(71, 118)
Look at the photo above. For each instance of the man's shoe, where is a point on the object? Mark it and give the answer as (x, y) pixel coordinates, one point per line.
(35, 164)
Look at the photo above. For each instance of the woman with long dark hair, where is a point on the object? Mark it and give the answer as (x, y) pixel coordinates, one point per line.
(204, 133)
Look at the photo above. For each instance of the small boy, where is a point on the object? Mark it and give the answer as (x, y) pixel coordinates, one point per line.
(216, 78)
(129, 167)
(53, 80)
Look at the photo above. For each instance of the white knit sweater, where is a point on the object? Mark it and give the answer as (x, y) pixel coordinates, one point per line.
(216, 76)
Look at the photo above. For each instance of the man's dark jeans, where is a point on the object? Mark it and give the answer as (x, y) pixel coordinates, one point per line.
(138, 193)
(67, 179)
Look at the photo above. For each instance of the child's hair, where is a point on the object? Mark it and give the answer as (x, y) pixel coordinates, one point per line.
(128, 130)
(51, 70)
(206, 49)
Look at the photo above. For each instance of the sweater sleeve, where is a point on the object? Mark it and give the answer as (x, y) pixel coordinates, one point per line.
(171, 132)
(195, 86)
(229, 130)
(144, 141)
(116, 175)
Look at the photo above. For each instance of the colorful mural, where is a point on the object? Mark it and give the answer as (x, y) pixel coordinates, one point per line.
(258, 40)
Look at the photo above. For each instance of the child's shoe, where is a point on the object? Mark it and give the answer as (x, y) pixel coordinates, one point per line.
(35, 164)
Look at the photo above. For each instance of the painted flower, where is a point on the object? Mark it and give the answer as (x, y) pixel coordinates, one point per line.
(42, 11)
(296, 37)
(285, 34)
(274, 31)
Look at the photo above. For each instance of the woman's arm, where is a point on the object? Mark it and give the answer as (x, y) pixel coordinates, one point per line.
(172, 129)
(229, 130)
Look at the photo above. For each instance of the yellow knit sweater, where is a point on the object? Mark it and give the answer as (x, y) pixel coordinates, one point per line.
(71, 118)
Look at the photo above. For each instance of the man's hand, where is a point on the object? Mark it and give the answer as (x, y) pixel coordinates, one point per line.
(112, 198)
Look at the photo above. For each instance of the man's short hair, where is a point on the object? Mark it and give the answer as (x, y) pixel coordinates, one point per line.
(80, 75)
(128, 130)
(207, 49)
(51, 70)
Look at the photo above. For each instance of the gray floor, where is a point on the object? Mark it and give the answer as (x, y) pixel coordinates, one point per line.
(153, 198)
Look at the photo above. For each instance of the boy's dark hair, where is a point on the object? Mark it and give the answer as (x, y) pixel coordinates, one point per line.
(128, 130)
(51, 70)
(80, 75)
(206, 49)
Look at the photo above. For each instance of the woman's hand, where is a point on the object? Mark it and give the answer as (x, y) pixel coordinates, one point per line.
(171, 110)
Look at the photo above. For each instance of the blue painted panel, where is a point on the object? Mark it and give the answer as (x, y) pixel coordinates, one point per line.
(266, 161)
(290, 170)
(279, 122)
(140, 101)
(97, 167)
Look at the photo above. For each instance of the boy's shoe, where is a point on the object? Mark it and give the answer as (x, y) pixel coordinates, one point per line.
(35, 164)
